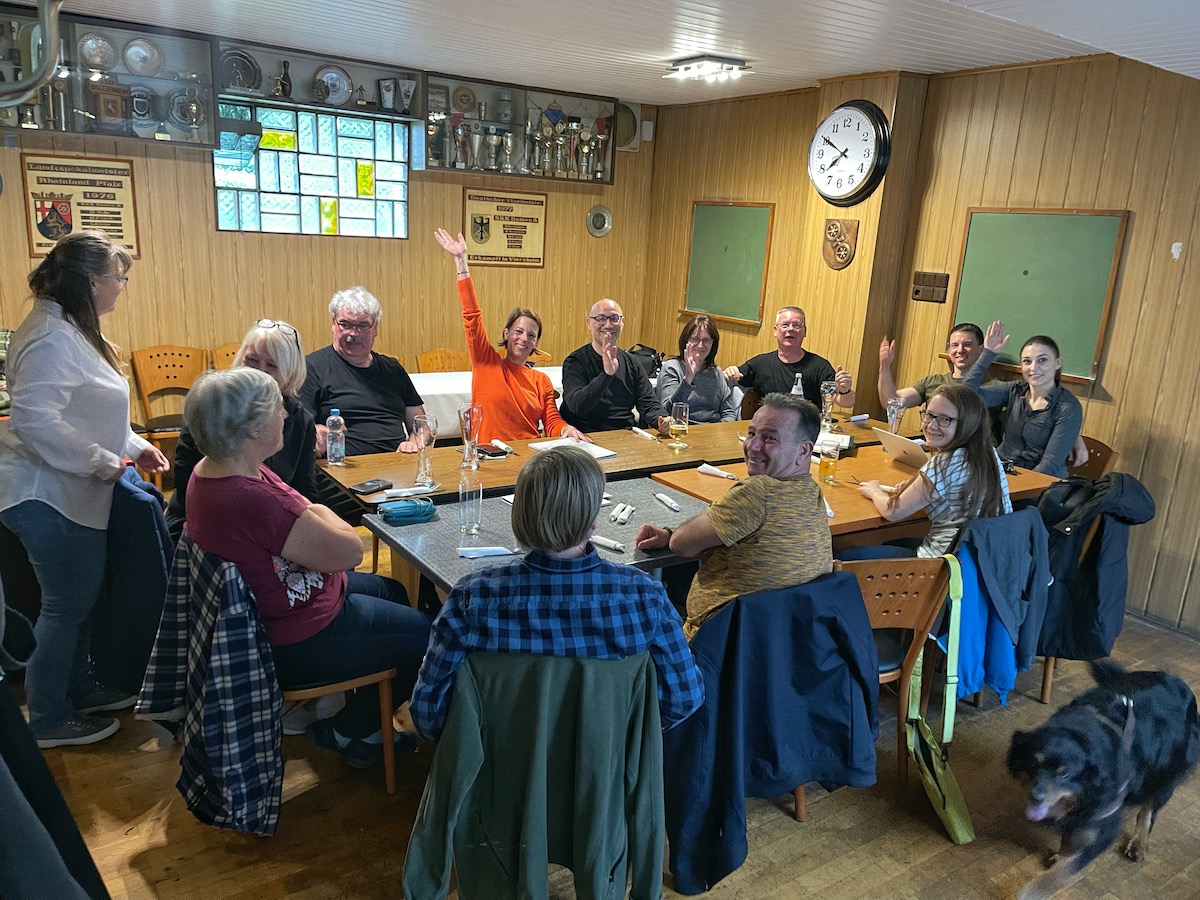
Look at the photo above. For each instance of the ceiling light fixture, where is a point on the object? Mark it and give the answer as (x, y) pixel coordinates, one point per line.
(708, 68)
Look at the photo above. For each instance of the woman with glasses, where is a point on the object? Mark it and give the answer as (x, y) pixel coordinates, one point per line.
(963, 480)
(515, 396)
(61, 452)
(273, 347)
(1043, 420)
(693, 378)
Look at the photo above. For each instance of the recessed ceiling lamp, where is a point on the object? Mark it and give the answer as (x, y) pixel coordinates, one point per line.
(708, 68)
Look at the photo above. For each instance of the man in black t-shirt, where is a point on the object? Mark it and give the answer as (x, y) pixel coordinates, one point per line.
(373, 392)
(776, 372)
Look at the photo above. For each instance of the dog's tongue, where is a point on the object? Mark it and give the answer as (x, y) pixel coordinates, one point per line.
(1037, 812)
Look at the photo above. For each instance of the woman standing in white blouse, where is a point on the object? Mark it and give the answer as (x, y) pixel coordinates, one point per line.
(60, 454)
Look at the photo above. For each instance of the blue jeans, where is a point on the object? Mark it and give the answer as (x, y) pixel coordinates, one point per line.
(375, 629)
(69, 560)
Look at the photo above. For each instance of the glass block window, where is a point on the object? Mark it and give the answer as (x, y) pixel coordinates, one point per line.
(315, 173)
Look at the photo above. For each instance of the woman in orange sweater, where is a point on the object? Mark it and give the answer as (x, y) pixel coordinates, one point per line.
(514, 395)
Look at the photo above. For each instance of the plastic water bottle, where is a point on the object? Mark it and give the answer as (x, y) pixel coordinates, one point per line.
(335, 442)
(798, 385)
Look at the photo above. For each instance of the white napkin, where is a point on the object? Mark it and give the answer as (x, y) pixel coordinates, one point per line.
(480, 552)
(398, 493)
(706, 469)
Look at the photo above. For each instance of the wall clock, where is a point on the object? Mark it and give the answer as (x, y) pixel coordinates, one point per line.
(849, 152)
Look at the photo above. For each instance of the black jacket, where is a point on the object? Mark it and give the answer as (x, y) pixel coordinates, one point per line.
(1086, 606)
(791, 695)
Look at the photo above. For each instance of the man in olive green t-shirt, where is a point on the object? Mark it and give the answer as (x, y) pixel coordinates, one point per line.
(771, 530)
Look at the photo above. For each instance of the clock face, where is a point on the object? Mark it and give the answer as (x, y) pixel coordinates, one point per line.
(849, 153)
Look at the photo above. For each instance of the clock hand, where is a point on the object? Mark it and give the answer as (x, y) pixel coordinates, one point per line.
(832, 144)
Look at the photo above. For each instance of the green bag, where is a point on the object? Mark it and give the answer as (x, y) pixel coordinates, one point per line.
(930, 756)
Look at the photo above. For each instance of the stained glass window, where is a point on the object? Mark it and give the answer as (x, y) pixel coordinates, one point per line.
(315, 174)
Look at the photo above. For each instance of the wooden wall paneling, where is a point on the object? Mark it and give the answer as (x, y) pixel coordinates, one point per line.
(1030, 147)
(1165, 333)
(1010, 109)
(1062, 134)
(1095, 114)
(891, 276)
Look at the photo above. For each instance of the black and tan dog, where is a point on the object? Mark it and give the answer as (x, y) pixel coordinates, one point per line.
(1128, 742)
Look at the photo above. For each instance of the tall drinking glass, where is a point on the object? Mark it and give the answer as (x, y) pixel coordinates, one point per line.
(425, 433)
(470, 417)
(470, 503)
(829, 390)
(679, 425)
(895, 411)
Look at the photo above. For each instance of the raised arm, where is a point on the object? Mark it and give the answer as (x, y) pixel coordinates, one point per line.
(887, 383)
(994, 341)
(845, 384)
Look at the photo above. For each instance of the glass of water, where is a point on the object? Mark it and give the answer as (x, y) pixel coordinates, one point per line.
(829, 390)
(470, 503)
(425, 433)
(679, 425)
(895, 413)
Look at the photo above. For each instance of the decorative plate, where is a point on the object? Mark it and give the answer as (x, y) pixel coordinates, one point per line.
(177, 106)
(97, 52)
(143, 57)
(143, 106)
(338, 81)
(464, 99)
(239, 71)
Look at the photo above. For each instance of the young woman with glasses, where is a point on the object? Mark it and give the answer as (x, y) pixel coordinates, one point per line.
(61, 452)
(963, 480)
(516, 397)
(273, 347)
(693, 378)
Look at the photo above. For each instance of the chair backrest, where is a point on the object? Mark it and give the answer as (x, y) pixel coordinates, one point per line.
(545, 725)
(1102, 459)
(222, 357)
(443, 360)
(537, 357)
(902, 593)
(166, 369)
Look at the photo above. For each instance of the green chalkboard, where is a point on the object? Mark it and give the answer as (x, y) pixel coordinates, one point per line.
(727, 267)
(1043, 272)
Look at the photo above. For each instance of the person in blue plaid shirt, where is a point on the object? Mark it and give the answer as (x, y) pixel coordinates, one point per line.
(561, 599)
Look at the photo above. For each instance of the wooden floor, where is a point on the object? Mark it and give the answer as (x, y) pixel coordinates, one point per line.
(341, 836)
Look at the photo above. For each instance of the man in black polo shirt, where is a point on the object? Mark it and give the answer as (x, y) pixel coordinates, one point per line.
(373, 392)
(602, 384)
(776, 372)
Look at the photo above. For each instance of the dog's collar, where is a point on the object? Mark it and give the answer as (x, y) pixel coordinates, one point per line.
(1126, 748)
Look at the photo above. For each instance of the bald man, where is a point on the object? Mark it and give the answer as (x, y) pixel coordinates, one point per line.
(603, 384)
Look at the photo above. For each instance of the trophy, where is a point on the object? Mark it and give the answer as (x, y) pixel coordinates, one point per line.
(600, 139)
(476, 141)
(460, 136)
(493, 144)
(407, 88)
(560, 153)
(541, 150)
(387, 94)
(431, 129)
(572, 149)
(510, 144)
(586, 148)
(191, 112)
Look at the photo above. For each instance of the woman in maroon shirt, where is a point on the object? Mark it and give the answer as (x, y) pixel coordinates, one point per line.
(323, 623)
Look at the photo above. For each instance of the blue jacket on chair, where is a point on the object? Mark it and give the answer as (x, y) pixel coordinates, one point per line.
(791, 695)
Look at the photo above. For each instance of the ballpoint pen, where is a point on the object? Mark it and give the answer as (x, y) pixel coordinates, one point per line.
(500, 445)
(645, 434)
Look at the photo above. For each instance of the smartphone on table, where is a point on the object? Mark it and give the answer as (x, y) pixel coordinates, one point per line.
(374, 486)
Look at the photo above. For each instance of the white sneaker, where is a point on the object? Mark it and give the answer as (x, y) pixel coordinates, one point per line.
(297, 722)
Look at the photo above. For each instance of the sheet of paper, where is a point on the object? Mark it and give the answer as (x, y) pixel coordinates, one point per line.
(594, 449)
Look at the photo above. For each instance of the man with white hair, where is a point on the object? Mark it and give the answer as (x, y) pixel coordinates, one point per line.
(372, 391)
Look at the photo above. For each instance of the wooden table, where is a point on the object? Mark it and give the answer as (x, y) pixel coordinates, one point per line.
(636, 456)
(856, 521)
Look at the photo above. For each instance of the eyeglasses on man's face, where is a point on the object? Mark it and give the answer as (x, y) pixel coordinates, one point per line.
(942, 421)
(283, 327)
(612, 319)
(354, 326)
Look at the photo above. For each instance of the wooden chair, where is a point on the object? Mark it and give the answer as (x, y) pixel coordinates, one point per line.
(444, 361)
(902, 595)
(297, 698)
(222, 357)
(1102, 459)
(162, 371)
(538, 357)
